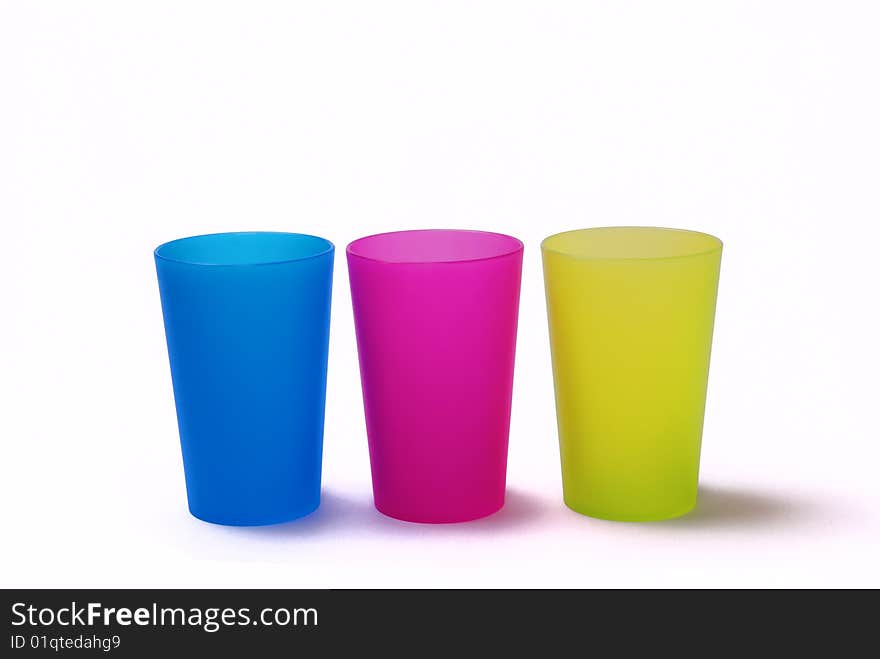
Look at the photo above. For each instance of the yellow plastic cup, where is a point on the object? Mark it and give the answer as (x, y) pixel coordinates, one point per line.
(631, 312)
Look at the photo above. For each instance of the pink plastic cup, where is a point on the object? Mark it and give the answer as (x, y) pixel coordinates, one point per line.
(435, 314)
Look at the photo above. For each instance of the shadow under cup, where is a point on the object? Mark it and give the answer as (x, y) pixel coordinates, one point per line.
(436, 315)
(247, 324)
(631, 312)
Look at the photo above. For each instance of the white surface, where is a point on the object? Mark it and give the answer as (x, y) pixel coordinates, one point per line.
(123, 125)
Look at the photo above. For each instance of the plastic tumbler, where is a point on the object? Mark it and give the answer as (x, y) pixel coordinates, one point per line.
(631, 311)
(247, 323)
(435, 315)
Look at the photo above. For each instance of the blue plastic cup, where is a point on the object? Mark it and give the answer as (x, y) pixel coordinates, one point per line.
(247, 321)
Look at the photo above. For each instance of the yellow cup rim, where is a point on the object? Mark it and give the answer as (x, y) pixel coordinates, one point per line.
(713, 244)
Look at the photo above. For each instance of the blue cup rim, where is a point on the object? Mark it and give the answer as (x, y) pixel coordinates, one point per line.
(326, 247)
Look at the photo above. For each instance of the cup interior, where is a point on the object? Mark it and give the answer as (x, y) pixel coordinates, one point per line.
(631, 243)
(245, 248)
(434, 246)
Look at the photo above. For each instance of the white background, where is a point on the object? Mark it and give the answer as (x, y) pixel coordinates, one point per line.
(123, 125)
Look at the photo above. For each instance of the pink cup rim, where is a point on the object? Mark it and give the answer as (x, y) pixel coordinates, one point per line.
(483, 246)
